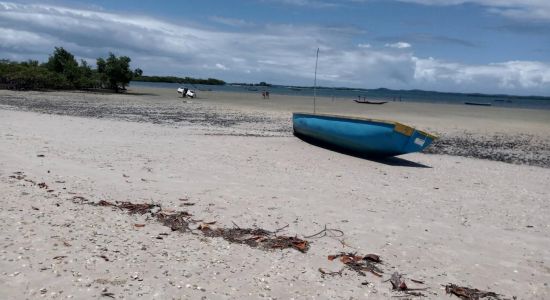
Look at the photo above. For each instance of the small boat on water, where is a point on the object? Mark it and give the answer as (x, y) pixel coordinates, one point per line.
(360, 135)
(370, 102)
(478, 103)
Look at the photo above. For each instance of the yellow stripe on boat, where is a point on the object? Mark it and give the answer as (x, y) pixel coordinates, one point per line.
(403, 129)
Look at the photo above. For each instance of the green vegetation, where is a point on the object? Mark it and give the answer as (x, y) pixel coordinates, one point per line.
(62, 71)
(173, 79)
(252, 84)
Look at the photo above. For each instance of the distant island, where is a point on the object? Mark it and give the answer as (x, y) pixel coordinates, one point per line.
(174, 79)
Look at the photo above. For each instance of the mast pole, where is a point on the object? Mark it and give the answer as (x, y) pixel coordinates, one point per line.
(315, 81)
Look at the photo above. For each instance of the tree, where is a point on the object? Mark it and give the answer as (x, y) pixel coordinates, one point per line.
(138, 72)
(63, 62)
(115, 71)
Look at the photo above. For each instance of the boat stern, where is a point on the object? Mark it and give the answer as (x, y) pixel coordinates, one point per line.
(418, 140)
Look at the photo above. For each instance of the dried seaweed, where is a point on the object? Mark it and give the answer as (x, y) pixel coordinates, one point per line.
(469, 293)
(181, 221)
(360, 264)
(132, 208)
(178, 221)
(256, 238)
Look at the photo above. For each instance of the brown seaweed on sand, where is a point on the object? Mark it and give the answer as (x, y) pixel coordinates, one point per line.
(178, 221)
(397, 281)
(131, 208)
(360, 264)
(256, 238)
(470, 294)
(181, 220)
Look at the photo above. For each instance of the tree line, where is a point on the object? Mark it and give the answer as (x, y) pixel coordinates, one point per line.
(62, 71)
(173, 79)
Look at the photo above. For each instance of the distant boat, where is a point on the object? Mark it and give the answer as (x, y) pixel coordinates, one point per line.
(360, 135)
(478, 103)
(370, 102)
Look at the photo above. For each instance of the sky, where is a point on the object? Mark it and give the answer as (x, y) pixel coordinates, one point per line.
(486, 46)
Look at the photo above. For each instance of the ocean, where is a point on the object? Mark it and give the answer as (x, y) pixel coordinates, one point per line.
(348, 94)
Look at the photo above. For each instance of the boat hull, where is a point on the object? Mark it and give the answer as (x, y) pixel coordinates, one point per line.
(478, 103)
(370, 102)
(363, 136)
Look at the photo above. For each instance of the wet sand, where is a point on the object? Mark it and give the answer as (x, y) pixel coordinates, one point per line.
(438, 218)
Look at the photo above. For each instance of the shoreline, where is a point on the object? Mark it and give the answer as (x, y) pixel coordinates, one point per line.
(500, 134)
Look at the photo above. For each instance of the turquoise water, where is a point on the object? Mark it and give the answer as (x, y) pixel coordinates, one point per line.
(370, 94)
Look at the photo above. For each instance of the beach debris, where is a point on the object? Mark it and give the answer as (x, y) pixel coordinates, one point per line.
(330, 273)
(397, 281)
(139, 225)
(181, 221)
(17, 176)
(131, 208)
(104, 257)
(35, 208)
(40, 155)
(105, 293)
(59, 257)
(326, 232)
(372, 257)
(178, 221)
(79, 200)
(359, 264)
(256, 237)
(470, 294)
(42, 185)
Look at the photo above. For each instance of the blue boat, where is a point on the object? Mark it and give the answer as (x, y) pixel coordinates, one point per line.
(359, 135)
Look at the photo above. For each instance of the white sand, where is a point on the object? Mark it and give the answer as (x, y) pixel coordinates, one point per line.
(460, 221)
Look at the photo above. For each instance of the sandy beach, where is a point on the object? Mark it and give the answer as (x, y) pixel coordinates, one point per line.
(472, 211)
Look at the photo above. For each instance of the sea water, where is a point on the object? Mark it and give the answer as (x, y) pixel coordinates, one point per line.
(348, 94)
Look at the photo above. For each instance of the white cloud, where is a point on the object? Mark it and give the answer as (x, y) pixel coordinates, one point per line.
(231, 21)
(283, 54)
(528, 10)
(511, 75)
(399, 45)
(221, 67)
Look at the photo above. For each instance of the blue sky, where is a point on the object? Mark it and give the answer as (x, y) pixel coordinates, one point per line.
(490, 46)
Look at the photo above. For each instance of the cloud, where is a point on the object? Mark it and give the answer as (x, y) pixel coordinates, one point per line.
(221, 67)
(399, 45)
(231, 21)
(526, 10)
(308, 3)
(425, 38)
(276, 53)
(511, 75)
